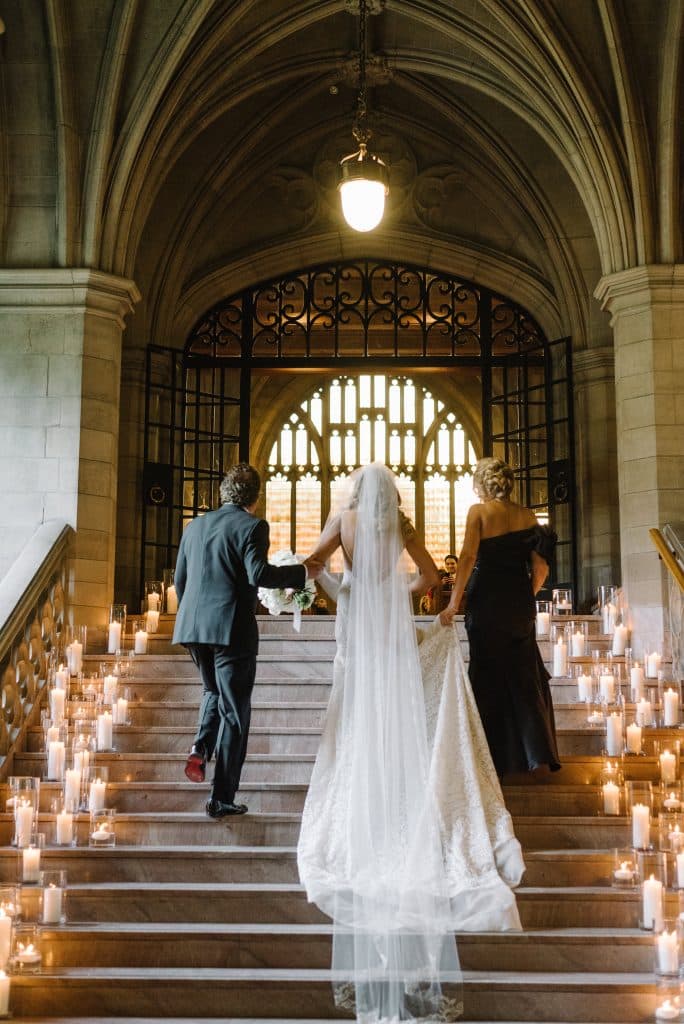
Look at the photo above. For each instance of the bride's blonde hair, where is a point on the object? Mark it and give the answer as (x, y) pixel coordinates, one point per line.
(493, 478)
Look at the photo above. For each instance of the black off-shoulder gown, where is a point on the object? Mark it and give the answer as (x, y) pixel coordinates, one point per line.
(509, 680)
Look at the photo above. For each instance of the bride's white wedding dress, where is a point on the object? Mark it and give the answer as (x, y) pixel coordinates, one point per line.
(405, 837)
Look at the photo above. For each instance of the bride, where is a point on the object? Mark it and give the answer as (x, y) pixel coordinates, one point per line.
(405, 837)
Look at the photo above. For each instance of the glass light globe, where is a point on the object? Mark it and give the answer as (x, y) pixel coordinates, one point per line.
(363, 203)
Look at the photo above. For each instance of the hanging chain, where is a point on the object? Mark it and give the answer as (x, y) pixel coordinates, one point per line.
(360, 130)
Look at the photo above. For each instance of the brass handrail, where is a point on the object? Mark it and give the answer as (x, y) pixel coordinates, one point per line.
(672, 565)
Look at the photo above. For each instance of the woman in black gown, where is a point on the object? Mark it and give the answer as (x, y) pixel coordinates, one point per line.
(504, 562)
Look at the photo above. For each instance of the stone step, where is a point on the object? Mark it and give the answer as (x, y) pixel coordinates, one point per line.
(277, 864)
(247, 992)
(271, 714)
(294, 946)
(282, 829)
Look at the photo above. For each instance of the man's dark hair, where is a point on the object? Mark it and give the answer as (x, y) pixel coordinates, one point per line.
(241, 485)
(451, 556)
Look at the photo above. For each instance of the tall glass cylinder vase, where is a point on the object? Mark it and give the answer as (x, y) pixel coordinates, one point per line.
(608, 607)
(562, 601)
(544, 611)
(639, 806)
(117, 628)
(653, 878)
(25, 797)
(77, 642)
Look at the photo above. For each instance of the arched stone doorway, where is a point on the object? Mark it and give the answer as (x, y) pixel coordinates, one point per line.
(249, 362)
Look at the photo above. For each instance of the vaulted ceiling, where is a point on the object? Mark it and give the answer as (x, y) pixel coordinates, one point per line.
(534, 145)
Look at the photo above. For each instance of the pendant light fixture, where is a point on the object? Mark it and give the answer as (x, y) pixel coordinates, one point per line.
(364, 178)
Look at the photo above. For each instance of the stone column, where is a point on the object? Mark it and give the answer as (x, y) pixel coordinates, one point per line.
(596, 454)
(647, 315)
(60, 369)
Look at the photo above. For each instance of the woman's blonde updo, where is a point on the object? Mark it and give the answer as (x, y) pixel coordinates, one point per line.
(493, 478)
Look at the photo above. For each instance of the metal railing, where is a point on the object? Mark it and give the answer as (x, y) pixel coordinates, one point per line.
(32, 622)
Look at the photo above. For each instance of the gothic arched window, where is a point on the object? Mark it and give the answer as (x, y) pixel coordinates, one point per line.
(356, 419)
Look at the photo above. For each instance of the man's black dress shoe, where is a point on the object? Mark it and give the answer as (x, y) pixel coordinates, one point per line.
(219, 809)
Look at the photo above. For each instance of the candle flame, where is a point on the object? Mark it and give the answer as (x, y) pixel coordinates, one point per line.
(623, 865)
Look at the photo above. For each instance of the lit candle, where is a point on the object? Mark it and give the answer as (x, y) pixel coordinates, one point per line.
(109, 689)
(672, 803)
(51, 735)
(114, 637)
(57, 702)
(608, 615)
(668, 767)
(102, 833)
(560, 657)
(64, 828)
(667, 1011)
(5, 937)
(52, 904)
(140, 641)
(27, 954)
(72, 786)
(563, 607)
(30, 864)
(584, 687)
(4, 994)
(75, 657)
(81, 757)
(607, 687)
(668, 952)
(620, 637)
(670, 707)
(641, 826)
(611, 798)
(652, 663)
(634, 738)
(624, 873)
(24, 823)
(120, 711)
(614, 734)
(636, 677)
(152, 621)
(595, 718)
(96, 796)
(676, 838)
(55, 765)
(61, 677)
(644, 712)
(652, 904)
(104, 731)
(578, 644)
(172, 607)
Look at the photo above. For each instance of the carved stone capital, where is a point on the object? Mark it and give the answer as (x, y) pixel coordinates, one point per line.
(92, 291)
(593, 366)
(639, 288)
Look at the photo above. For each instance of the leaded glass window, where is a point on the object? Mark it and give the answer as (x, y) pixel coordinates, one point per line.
(351, 421)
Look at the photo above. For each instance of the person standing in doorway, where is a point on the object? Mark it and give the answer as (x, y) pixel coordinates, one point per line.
(222, 560)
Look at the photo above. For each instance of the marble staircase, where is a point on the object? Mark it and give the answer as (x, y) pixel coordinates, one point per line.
(189, 919)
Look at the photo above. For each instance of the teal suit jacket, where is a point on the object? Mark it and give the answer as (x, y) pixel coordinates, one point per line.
(222, 560)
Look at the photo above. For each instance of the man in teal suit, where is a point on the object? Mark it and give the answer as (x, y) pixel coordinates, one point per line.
(222, 560)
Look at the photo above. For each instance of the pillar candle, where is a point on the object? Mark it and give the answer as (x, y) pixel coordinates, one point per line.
(81, 759)
(57, 702)
(75, 657)
(114, 637)
(578, 644)
(614, 734)
(668, 952)
(652, 663)
(670, 707)
(611, 798)
(24, 823)
(644, 712)
(652, 904)
(680, 870)
(109, 689)
(542, 620)
(584, 687)
(641, 826)
(4, 994)
(5, 936)
(620, 640)
(72, 786)
(152, 621)
(104, 731)
(153, 601)
(64, 828)
(120, 711)
(608, 616)
(55, 765)
(676, 838)
(140, 642)
(672, 802)
(560, 657)
(634, 738)
(636, 678)
(61, 677)
(607, 688)
(96, 799)
(30, 864)
(668, 767)
(52, 735)
(667, 1011)
(52, 904)
(172, 606)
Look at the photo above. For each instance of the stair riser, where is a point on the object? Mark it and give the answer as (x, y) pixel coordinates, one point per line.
(286, 691)
(141, 741)
(202, 998)
(161, 715)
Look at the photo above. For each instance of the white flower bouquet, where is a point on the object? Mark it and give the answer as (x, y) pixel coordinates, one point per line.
(287, 599)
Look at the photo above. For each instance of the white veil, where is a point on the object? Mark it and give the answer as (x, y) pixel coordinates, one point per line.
(393, 947)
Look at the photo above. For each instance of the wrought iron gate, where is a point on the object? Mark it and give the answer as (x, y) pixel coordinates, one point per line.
(358, 314)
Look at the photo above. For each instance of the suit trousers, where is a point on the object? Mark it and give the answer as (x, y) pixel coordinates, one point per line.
(227, 682)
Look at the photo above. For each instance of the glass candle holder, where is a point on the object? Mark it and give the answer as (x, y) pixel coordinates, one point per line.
(633, 740)
(139, 636)
(652, 867)
(561, 599)
(585, 684)
(610, 798)
(645, 713)
(154, 596)
(615, 732)
(579, 639)
(670, 799)
(559, 649)
(96, 785)
(669, 1001)
(543, 620)
(53, 903)
(117, 628)
(56, 750)
(607, 684)
(6, 925)
(65, 832)
(83, 746)
(170, 596)
(625, 874)
(76, 644)
(668, 755)
(151, 621)
(10, 901)
(608, 606)
(596, 715)
(652, 661)
(27, 956)
(667, 948)
(58, 695)
(30, 857)
(25, 798)
(120, 710)
(639, 806)
(670, 704)
(102, 833)
(105, 731)
(620, 636)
